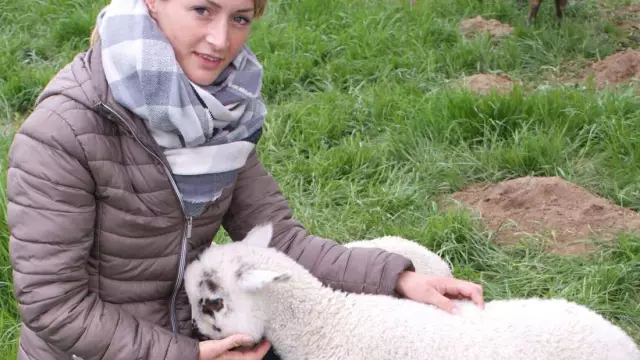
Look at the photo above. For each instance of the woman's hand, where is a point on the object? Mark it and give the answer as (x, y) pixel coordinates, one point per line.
(221, 349)
(438, 290)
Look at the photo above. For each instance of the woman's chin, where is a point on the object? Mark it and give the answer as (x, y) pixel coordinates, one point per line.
(201, 77)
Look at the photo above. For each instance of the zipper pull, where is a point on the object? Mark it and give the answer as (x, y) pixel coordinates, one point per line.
(189, 225)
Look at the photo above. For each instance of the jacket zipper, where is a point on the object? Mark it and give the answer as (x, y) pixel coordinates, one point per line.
(188, 223)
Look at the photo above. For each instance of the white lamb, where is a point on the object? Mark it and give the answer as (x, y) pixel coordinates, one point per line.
(245, 287)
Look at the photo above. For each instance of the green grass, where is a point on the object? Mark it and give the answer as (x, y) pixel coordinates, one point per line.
(364, 132)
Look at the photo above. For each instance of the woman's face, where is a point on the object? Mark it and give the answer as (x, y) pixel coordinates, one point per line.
(205, 34)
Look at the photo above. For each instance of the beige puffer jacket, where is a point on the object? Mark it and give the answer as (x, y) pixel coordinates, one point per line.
(99, 241)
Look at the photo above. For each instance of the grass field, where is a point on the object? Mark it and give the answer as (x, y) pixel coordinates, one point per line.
(364, 131)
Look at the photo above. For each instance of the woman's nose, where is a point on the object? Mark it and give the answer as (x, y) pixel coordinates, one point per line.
(217, 34)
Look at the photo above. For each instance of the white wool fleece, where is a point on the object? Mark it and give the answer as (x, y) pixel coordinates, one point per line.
(267, 294)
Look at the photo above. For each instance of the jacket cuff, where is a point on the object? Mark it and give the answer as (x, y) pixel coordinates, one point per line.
(396, 265)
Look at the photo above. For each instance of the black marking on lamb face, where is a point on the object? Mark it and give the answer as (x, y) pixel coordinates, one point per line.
(196, 334)
(213, 287)
(212, 306)
(209, 283)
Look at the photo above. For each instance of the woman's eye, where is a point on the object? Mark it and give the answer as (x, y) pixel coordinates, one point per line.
(201, 10)
(241, 20)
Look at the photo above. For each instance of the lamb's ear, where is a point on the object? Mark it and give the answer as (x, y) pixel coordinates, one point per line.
(253, 280)
(260, 235)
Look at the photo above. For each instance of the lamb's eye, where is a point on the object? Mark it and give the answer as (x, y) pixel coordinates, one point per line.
(217, 304)
(211, 306)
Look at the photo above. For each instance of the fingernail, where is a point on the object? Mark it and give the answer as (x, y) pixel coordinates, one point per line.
(455, 311)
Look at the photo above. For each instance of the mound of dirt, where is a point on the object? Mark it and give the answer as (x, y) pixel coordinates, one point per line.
(478, 25)
(620, 68)
(547, 206)
(485, 83)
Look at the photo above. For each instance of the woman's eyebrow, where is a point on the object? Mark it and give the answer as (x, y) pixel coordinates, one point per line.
(215, 4)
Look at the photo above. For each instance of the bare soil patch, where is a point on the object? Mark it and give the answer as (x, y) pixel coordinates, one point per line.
(479, 25)
(620, 68)
(560, 212)
(485, 83)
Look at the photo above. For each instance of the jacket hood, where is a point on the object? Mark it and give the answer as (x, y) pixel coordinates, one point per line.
(75, 81)
(83, 81)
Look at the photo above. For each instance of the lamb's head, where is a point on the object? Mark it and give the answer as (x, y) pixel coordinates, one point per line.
(225, 283)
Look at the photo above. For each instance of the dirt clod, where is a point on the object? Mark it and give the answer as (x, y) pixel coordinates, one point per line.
(621, 68)
(478, 25)
(547, 206)
(485, 83)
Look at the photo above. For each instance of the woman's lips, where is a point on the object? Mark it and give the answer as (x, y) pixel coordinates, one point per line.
(208, 61)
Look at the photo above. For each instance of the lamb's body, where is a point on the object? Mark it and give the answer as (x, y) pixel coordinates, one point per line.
(306, 321)
(515, 329)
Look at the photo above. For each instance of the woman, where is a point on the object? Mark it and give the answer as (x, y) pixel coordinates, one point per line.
(134, 156)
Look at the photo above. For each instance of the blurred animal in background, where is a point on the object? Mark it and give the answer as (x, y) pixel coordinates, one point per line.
(535, 5)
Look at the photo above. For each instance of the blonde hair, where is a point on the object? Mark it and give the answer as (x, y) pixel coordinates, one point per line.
(95, 36)
(259, 8)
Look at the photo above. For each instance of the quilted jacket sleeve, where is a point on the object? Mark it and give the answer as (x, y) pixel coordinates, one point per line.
(51, 213)
(257, 198)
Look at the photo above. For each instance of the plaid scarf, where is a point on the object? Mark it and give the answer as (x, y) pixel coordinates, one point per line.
(206, 132)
